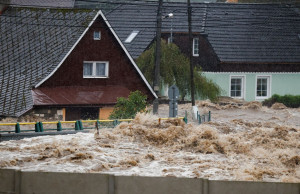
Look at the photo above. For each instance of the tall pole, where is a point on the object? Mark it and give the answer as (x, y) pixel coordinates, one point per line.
(157, 56)
(190, 52)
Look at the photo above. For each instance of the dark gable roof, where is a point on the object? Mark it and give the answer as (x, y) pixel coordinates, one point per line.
(33, 42)
(266, 33)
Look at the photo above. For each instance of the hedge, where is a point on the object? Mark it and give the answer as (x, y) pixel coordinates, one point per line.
(292, 101)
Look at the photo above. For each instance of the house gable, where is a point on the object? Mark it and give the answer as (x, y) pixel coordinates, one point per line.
(123, 74)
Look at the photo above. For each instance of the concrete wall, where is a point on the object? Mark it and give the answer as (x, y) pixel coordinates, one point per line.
(15, 181)
(280, 83)
(47, 113)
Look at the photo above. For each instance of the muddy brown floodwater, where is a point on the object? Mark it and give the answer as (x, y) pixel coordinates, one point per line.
(242, 142)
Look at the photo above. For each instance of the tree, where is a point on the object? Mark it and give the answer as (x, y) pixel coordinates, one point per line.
(127, 108)
(175, 70)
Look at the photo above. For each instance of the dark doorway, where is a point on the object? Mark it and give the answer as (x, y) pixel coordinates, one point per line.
(82, 113)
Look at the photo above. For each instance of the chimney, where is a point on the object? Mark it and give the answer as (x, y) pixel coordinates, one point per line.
(3, 5)
(232, 1)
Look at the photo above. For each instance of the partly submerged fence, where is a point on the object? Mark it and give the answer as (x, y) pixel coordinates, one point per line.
(78, 125)
(204, 117)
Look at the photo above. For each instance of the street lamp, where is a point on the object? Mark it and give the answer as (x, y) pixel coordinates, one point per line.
(170, 15)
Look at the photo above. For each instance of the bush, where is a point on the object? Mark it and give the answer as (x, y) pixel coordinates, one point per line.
(291, 101)
(127, 108)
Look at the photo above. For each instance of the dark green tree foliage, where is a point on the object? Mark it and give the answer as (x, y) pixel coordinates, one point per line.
(174, 69)
(292, 101)
(127, 108)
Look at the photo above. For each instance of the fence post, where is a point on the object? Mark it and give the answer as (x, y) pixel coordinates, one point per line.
(37, 127)
(115, 122)
(17, 128)
(199, 119)
(80, 125)
(209, 116)
(59, 128)
(41, 127)
(76, 125)
(97, 126)
(185, 118)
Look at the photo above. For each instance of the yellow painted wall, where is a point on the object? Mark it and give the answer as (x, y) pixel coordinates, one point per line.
(105, 112)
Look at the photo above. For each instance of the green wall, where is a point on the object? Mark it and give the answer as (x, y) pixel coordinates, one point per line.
(280, 83)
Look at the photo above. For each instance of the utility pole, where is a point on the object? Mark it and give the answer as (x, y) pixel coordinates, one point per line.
(157, 56)
(190, 51)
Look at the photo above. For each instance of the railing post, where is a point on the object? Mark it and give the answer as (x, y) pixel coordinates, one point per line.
(80, 125)
(97, 126)
(115, 122)
(185, 118)
(59, 128)
(37, 127)
(41, 127)
(17, 128)
(77, 126)
(199, 119)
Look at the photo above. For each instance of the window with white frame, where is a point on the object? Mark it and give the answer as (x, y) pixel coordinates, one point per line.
(195, 47)
(95, 69)
(97, 35)
(237, 86)
(262, 87)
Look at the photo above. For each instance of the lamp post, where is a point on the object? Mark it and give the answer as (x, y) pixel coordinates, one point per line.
(170, 15)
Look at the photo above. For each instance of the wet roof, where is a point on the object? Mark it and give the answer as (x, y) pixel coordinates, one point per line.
(236, 32)
(28, 36)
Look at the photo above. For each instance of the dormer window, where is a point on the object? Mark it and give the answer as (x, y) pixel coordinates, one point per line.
(131, 36)
(97, 35)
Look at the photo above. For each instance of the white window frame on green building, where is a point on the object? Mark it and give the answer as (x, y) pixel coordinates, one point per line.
(243, 86)
(261, 92)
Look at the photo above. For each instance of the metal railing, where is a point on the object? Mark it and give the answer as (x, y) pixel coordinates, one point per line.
(204, 117)
(78, 125)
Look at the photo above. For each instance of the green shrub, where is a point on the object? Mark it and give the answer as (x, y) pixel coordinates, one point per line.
(291, 101)
(127, 108)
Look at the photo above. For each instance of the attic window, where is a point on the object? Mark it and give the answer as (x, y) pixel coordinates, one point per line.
(131, 36)
(195, 47)
(97, 35)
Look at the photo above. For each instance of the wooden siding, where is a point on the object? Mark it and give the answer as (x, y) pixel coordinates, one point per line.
(121, 71)
(207, 59)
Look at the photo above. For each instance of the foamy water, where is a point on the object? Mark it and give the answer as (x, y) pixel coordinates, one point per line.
(241, 143)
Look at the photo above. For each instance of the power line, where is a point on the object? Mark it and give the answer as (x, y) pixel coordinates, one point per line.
(265, 18)
(155, 3)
